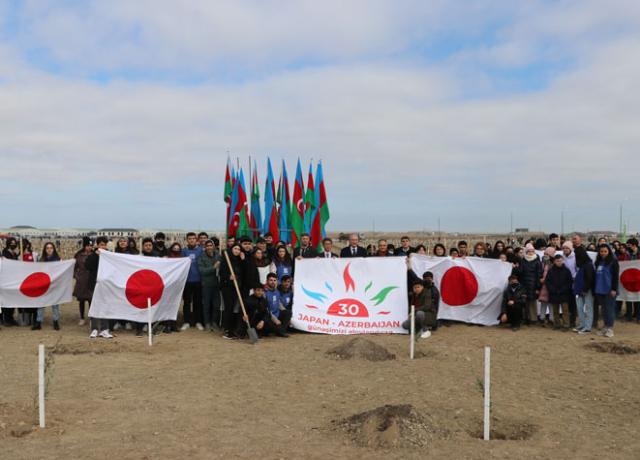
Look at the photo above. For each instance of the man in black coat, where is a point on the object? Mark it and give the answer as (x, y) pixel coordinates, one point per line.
(354, 249)
(559, 283)
(305, 251)
(514, 303)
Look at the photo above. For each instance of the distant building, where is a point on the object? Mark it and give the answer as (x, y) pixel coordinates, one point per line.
(118, 232)
(522, 230)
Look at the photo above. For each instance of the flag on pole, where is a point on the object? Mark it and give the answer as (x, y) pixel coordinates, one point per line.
(270, 213)
(285, 206)
(125, 282)
(239, 219)
(35, 284)
(321, 200)
(309, 202)
(256, 214)
(228, 189)
(297, 208)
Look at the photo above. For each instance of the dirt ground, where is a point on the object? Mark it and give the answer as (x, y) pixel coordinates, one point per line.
(196, 395)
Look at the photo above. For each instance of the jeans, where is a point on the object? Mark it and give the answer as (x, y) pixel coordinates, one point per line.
(632, 307)
(608, 304)
(55, 310)
(585, 310)
(420, 319)
(99, 324)
(211, 305)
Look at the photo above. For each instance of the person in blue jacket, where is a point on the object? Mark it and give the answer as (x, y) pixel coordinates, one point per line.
(279, 313)
(606, 289)
(192, 294)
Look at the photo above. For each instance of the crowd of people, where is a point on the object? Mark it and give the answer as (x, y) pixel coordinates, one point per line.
(563, 288)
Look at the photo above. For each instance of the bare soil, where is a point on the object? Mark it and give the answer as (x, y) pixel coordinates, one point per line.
(196, 395)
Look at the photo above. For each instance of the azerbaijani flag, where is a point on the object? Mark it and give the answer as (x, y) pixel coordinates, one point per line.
(270, 213)
(239, 225)
(321, 212)
(297, 208)
(228, 189)
(256, 215)
(309, 202)
(285, 206)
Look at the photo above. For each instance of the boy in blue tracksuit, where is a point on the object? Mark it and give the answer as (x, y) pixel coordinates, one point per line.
(279, 314)
(192, 295)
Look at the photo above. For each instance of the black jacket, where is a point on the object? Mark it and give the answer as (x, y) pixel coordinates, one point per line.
(346, 252)
(225, 271)
(516, 293)
(257, 310)
(306, 253)
(530, 273)
(559, 283)
(91, 265)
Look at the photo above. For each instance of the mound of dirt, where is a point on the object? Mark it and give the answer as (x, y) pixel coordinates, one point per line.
(614, 347)
(390, 426)
(361, 348)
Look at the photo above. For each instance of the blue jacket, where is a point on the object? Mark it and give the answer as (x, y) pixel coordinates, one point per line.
(583, 282)
(287, 298)
(274, 299)
(606, 277)
(193, 254)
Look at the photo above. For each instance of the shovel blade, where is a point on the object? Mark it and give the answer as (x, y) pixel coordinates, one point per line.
(253, 334)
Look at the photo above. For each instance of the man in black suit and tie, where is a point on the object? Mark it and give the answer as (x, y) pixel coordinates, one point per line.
(327, 246)
(353, 250)
(305, 251)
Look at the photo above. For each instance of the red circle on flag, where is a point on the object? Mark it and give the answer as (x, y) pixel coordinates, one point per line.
(143, 285)
(459, 286)
(35, 285)
(630, 279)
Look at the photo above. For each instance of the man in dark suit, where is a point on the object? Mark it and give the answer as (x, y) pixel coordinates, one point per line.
(327, 246)
(354, 249)
(305, 251)
(405, 248)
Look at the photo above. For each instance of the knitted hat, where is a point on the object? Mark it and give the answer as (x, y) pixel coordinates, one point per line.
(529, 247)
(568, 244)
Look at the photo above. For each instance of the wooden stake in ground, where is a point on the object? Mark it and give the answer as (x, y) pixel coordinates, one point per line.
(487, 392)
(253, 335)
(412, 347)
(149, 321)
(41, 384)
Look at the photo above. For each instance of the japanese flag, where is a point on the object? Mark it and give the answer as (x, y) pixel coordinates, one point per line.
(125, 282)
(629, 286)
(35, 284)
(471, 288)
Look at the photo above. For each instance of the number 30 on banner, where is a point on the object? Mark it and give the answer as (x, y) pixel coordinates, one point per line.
(348, 308)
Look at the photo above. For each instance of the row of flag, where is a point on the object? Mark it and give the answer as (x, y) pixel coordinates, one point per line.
(286, 217)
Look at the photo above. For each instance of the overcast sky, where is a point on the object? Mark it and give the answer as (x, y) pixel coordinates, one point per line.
(121, 113)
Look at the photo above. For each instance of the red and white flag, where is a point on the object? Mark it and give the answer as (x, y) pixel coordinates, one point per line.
(35, 284)
(471, 288)
(629, 286)
(125, 282)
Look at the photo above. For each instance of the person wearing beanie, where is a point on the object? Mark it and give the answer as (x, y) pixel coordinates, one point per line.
(514, 302)
(570, 262)
(529, 275)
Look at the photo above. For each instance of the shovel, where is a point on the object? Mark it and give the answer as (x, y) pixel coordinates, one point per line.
(253, 334)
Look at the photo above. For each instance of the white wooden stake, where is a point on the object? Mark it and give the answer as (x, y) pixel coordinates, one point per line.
(412, 347)
(149, 321)
(487, 392)
(41, 383)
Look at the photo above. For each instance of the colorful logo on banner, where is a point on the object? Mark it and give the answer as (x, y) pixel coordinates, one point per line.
(349, 307)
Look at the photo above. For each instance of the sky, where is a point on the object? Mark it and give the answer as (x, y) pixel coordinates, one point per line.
(123, 114)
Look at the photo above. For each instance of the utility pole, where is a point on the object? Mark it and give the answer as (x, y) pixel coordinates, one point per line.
(511, 223)
(620, 232)
(562, 222)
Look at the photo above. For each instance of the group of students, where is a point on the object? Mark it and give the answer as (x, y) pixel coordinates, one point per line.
(563, 287)
(566, 288)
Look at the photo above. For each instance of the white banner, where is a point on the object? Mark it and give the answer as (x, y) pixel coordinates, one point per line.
(592, 254)
(351, 296)
(125, 282)
(471, 288)
(35, 284)
(629, 286)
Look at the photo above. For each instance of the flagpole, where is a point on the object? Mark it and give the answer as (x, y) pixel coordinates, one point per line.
(149, 321)
(412, 347)
(41, 383)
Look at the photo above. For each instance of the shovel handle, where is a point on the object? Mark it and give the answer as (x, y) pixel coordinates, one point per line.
(235, 283)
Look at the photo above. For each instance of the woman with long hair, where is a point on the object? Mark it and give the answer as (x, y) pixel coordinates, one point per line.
(605, 289)
(49, 254)
(81, 289)
(282, 264)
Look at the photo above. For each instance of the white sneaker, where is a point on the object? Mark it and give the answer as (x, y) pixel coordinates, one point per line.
(199, 327)
(185, 326)
(601, 332)
(608, 333)
(93, 334)
(81, 322)
(117, 326)
(584, 332)
(128, 327)
(105, 334)
(426, 334)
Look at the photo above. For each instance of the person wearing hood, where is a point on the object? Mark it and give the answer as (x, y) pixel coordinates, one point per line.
(514, 302)
(529, 274)
(583, 290)
(570, 263)
(229, 273)
(543, 297)
(559, 283)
